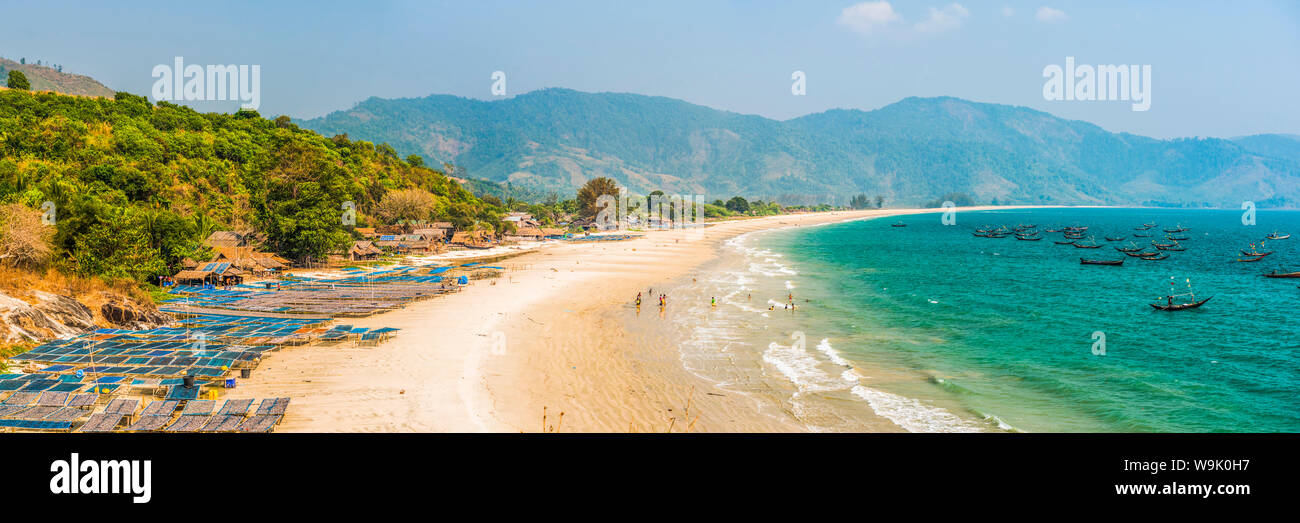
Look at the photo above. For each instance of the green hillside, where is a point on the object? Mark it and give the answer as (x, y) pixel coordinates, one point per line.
(137, 186)
(909, 152)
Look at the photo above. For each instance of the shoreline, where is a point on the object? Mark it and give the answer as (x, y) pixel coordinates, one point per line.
(541, 338)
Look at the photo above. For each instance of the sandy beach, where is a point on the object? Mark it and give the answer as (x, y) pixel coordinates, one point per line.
(502, 355)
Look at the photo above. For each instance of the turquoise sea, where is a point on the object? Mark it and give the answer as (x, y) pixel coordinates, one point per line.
(936, 329)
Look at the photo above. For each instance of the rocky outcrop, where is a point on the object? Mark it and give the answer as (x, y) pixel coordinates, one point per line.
(128, 316)
(55, 316)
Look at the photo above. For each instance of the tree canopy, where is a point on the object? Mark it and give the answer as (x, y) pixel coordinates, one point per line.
(136, 186)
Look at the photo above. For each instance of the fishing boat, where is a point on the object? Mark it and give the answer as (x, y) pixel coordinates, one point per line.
(1176, 238)
(899, 224)
(1254, 251)
(1255, 259)
(1085, 261)
(1028, 238)
(1161, 245)
(1276, 274)
(1181, 306)
(1141, 254)
(1092, 245)
(1133, 247)
(1154, 258)
(1141, 235)
(1275, 236)
(1178, 228)
(1062, 243)
(1169, 304)
(1171, 248)
(1109, 239)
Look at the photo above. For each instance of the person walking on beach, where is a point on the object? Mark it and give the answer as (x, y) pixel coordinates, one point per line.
(714, 301)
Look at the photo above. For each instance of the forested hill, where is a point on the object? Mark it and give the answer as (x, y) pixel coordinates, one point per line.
(52, 78)
(910, 152)
(137, 186)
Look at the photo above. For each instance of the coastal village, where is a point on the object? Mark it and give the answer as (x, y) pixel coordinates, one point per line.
(180, 370)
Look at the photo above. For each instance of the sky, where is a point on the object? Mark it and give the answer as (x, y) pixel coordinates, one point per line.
(1217, 69)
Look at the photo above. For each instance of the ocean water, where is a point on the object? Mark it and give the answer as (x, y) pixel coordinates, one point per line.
(929, 328)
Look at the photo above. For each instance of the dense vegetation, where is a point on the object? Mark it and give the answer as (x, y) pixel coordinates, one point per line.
(136, 187)
(910, 152)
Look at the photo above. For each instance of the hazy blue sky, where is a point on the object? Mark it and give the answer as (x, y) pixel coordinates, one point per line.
(1218, 69)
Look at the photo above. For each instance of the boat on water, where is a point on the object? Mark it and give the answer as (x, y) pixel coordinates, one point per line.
(1160, 245)
(1110, 239)
(1085, 261)
(1178, 228)
(1255, 259)
(1254, 251)
(1141, 254)
(1176, 238)
(1028, 238)
(1174, 247)
(1169, 304)
(1276, 236)
(1154, 257)
(1133, 247)
(899, 224)
(1063, 243)
(1181, 306)
(1276, 274)
(1141, 235)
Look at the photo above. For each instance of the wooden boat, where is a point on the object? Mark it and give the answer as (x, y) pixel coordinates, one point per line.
(1109, 239)
(1154, 257)
(1275, 236)
(1028, 238)
(1052, 230)
(1255, 253)
(899, 224)
(1141, 235)
(1181, 306)
(1255, 259)
(1092, 245)
(1141, 254)
(1172, 248)
(1133, 247)
(1276, 274)
(1178, 228)
(1085, 261)
(1169, 304)
(1176, 238)
(1160, 245)
(1062, 243)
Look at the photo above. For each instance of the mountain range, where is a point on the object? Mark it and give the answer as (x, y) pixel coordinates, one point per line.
(911, 152)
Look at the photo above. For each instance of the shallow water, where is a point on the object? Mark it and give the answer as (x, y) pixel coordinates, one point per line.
(934, 329)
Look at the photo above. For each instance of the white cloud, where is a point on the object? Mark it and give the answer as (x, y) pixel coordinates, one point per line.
(866, 17)
(1047, 14)
(943, 19)
(1007, 11)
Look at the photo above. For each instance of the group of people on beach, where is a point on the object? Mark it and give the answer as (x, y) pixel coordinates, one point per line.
(713, 301)
(663, 299)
